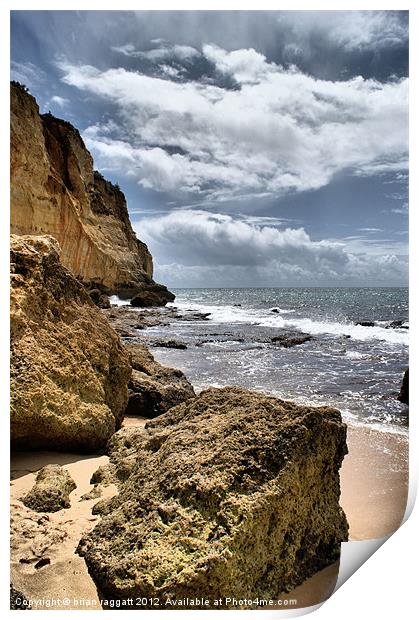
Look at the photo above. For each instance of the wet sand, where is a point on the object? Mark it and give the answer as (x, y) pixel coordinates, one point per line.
(374, 488)
(374, 481)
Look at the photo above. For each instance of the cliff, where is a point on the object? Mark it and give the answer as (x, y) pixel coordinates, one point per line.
(55, 191)
(69, 370)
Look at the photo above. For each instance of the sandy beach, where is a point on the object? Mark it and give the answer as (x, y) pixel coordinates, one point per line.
(374, 481)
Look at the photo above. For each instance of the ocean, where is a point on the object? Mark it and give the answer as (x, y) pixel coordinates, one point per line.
(357, 369)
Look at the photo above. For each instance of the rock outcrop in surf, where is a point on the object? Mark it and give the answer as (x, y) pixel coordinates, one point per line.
(153, 388)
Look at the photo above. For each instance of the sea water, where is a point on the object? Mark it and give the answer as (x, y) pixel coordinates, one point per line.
(356, 368)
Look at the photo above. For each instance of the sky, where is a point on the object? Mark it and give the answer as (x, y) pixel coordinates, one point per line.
(254, 148)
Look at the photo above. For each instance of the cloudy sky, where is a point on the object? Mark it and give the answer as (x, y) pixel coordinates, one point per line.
(254, 148)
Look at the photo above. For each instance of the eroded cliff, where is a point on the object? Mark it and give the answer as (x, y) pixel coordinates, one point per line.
(55, 191)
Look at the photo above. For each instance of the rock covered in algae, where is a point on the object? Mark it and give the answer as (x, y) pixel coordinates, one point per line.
(231, 494)
(51, 491)
(153, 388)
(69, 371)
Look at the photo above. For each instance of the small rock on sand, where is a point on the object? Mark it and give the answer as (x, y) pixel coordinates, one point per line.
(51, 490)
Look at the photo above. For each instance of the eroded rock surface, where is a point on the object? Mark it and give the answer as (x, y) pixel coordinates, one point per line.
(292, 339)
(69, 371)
(51, 491)
(153, 295)
(230, 494)
(153, 388)
(55, 191)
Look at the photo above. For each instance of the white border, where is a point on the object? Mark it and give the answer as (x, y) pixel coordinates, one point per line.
(386, 585)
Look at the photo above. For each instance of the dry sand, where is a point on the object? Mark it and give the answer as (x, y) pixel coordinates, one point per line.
(374, 480)
(53, 536)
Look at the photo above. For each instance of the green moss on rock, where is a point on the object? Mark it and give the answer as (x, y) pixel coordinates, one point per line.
(231, 494)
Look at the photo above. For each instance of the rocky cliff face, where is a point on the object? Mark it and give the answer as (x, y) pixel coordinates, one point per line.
(55, 191)
(69, 371)
(230, 494)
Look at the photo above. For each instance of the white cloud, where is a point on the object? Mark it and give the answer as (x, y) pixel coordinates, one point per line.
(219, 238)
(280, 131)
(246, 65)
(350, 30)
(182, 53)
(60, 101)
(194, 247)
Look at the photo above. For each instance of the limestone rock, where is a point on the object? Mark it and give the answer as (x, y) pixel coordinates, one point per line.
(169, 344)
(232, 493)
(154, 388)
(153, 295)
(291, 340)
(69, 371)
(101, 300)
(55, 191)
(51, 490)
(403, 396)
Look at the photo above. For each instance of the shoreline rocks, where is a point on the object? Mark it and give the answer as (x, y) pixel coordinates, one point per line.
(169, 344)
(152, 295)
(153, 388)
(232, 493)
(291, 340)
(69, 371)
(403, 396)
(101, 300)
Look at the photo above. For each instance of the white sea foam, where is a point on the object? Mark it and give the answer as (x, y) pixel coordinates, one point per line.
(356, 355)
(266, 318)
(117, 301)
(382, 427)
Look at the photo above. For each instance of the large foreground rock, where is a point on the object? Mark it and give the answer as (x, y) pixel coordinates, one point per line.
(69, 371)
(51, 491)
(231, 494)
(153, 388)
